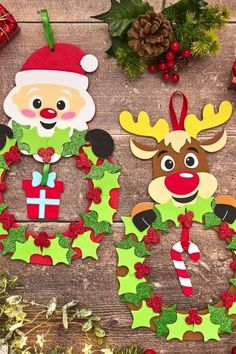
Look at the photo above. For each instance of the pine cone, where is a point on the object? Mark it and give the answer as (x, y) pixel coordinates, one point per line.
(150, 35)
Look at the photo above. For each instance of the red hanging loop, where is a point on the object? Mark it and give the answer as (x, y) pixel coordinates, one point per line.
(178, 124)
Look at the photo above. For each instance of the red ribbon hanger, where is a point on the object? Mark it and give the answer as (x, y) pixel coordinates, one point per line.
(178, 124)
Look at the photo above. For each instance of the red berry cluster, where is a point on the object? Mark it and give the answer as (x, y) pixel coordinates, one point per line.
(168, 66)
(76, 228)
(82, 161)
(186, 219)
(152, 236)
(46, 154)
(94, 195)
(7, 220)
(228, 299)
(225, 231)
(233, 350)
(42, 240)
(155, 303)
(193, 317)
(149, 351)
(13, 155)
(233, 265)
(141, 270)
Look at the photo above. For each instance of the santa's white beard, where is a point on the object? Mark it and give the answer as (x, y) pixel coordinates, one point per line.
(79, 122)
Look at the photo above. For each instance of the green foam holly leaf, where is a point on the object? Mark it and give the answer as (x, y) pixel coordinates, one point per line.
(232, 245)
(143, 316)
(3, 163)
(3, 206)
(178, 328)
(130, 228)
(86, 245)
(168, 316)
(159, 224)
(91, 221)
(211, 219)
(17, 129)
(77, 140)
(139, 247)
(232, 310)
(65, 242)
(121, 15)
(127, 258)
(207, 328)
(143, 291)
(200, 207)
(2, 230)
(233, 225)
(98, 171)
(56, 252)
(169, 212)
(14, 235)
(218, 317)
(108, 182)
(25, 250)
(129, 283)
(91, 156)
(58, 139)
(104, 211)
(233, 282)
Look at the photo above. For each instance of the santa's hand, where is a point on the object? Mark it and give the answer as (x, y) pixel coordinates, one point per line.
(102, 143)
(5, 132)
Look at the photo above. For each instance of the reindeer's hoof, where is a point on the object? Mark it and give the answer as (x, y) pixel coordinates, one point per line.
(144, 219)
(226, 212)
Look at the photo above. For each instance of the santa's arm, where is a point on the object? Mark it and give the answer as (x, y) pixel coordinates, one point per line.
(101, 142)
(5, 132)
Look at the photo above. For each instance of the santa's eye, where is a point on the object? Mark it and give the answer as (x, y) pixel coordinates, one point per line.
(191, 160)
(167, 163)
(36, 102)
(62, 104)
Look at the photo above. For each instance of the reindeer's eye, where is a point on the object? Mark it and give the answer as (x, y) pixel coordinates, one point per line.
(191, 160)
(167, 163)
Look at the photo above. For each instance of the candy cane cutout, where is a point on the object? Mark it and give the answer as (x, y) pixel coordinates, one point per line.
(180, 268)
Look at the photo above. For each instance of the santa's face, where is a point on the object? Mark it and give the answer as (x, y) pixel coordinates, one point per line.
(47, 106)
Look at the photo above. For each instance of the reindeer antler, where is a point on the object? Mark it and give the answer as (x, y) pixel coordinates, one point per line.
(143, 126)
(210, 119)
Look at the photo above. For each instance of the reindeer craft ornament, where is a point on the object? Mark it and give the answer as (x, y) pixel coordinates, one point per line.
(49, 110)
(183, 192)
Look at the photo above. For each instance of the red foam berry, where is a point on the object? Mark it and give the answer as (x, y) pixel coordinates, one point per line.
(149, 351)
(13, 155)
(76, 228)
(171, 64)
(175, 78)
(186, 53)
(228, 299)
(166, 76)
(225, 231)
(233, 265)
(82, 161)
(186, 219)
(233, 350)
(94, 195)
(7, 220)
(152, 236)
(155, 303)
(141, 270)
(175, 46)
(162, 66)
(193, 317)
(46, 154)
(170, 55)
(42, 240)
(152, 68)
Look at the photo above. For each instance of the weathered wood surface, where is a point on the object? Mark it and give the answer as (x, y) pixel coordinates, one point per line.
(204, 80)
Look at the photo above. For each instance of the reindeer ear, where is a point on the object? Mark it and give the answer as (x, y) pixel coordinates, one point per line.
(143, 152)
(216, 143)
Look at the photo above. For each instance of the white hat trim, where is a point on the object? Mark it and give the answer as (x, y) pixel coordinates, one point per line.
(66, 78)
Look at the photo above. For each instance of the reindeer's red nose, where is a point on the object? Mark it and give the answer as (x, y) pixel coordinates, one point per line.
(182, 182)
(48, 113)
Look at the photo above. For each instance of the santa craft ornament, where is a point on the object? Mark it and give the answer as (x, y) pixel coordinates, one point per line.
(49, 110)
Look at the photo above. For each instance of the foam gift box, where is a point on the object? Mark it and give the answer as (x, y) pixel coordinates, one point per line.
(43, 202)
(8, 27)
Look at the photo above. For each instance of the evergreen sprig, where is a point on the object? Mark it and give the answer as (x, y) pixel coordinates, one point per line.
(132, 64)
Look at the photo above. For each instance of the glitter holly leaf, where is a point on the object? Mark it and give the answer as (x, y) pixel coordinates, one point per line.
(139, 247)
(218, 317)
(3, 206)
(143, 291)
(77, 140)
(211, 219)
(91, 221)
(168, 316)
(98, 171)
(158, 224)
(65, 242)
(14, 235)
(121, 15)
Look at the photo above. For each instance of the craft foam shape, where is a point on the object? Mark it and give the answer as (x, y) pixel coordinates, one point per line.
(183, 191)
(49, 109)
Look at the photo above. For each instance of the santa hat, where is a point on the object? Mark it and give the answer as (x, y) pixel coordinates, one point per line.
(66, 65)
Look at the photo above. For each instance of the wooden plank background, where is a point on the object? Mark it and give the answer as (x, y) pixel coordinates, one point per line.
(203, 81)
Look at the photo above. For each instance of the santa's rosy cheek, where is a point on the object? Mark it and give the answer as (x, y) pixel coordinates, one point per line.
(68, 115)
(28, 113)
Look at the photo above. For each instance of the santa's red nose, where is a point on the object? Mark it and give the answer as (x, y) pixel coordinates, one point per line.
(182, 182)
(48, 113)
